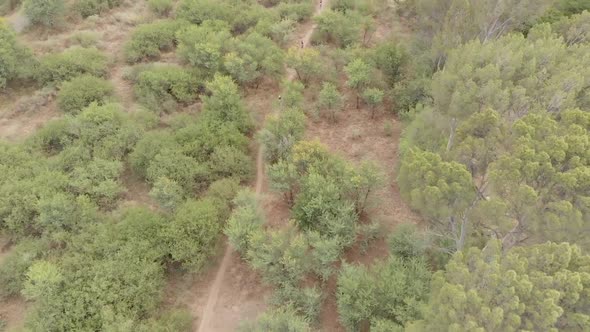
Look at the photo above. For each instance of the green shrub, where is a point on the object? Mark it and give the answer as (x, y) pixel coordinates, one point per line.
(229, 161)
(167, 193)
(160, 7)
(94, 7)
(177, 167)
(48, 13)
(81, 91)
(193, 233)
(14, 59)
(245, 220)
(393, 290)
(75, 61)
(148, 40)
(147, 148)
(281, 319)
(295, 11)
(16, 264)
(306, 300)
(162, 88)
(198, 11)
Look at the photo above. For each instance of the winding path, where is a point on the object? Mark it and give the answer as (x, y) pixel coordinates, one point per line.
(208, 311)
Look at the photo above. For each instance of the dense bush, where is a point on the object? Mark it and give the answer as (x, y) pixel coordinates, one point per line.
(203, 46)
(148, 40)
(280, 319)
(76, 94)
(160, 7)
(280, 256)
(48, 13)
(298, 12)
(337, 28)
(14, 266)
(75, 61)
(198, 11)
(163, 88)
(280, 133)
(193, 232)
(15, 59)
(224, 104)
(94, 7)
(245, 220)
(229, 161)
(98, 269)
(393, 290)
(174, 165)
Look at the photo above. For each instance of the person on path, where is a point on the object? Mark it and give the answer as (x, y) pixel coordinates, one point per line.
(320, 4)
(301, 43)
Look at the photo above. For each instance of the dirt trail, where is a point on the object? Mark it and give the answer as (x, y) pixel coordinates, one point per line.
(209, 310)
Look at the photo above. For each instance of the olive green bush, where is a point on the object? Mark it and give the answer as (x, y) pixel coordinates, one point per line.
(75, 61)
(193, 232)
(244, 221)
(16, 264)
(95, 7)
(148, 40)
(163, 88)
(48, 13)
(15, 61)
(76, 94)
(161, 8)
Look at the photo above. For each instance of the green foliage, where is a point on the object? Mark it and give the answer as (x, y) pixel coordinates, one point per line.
(330, 100)
(280, 256)
(81, 91)
(148, 40)
(163, 88)
(95, 7)
(280, 319)
(293, 95)
(224, 104)
(407, 243)
(48, 13)
(193, 233)
(341, 29)
(198, 11)
(174, 165)
(392, 290)
(147, 148)
(306, 300)
(203, 46)
(374, 98)
(326, 251)
(321, 206)
(391, 58)
(306, 62)
(75, 61)
(280, 133)
(245, 220)
(538, 288)
(448, 24)
(97, 269)
(230, 162)
(15, 59)
(161, 8)
(14, 267)
(440, 190)
(359, 76)
(253, 57)
(168, 193)
(297, 12)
